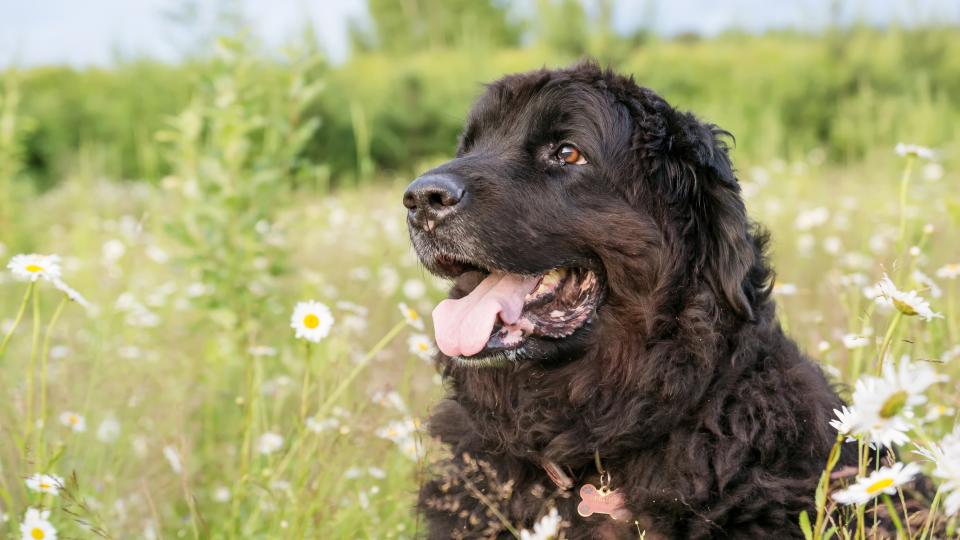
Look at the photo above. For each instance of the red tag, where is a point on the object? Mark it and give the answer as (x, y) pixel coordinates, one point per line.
(602, 501)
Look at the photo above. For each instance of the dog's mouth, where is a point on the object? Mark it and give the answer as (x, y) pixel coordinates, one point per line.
(503, 310)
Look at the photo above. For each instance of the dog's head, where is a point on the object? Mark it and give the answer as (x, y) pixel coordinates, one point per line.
(576, 193)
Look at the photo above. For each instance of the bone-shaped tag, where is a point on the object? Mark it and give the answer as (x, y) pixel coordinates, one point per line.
(602, 501)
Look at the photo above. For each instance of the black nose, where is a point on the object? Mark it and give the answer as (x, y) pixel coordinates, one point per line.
(433, 197)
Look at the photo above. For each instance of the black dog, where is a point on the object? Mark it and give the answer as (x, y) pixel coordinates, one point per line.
(617, 298)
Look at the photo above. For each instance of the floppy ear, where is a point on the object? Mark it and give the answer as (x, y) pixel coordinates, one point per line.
(689, 159)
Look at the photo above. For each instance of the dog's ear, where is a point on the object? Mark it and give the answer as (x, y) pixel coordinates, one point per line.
(689, 160)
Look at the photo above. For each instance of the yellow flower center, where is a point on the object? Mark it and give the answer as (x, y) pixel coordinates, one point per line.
(879, 486)
(894, 404)
(73, 420)
(37, 533)
(44, 486)
(412, 314)
(34, 269)
(311, 321)
(904, 307)
(423, 346)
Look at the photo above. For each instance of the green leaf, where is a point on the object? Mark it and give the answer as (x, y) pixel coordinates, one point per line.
(821, 497)
(805, 525)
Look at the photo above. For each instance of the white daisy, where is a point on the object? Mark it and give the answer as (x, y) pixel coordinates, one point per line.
(414, 289)
(913, 378)
(269, 443)
(907, 302)
(108, 430)
(173, 458)
(785, 289)
(882, 408)
(915, 150)
(403, 433)
(221, 494)
(262, 350)
(949, 271)
(398, 429)
(352, 307)
(410, 447)
(353, 473)
(855, 341)
(937, 412)
(886, 480)
(389, 399)
(932, 171)
(356, 324)
(547, 527)
(112, 251)
(36, 526)
(45, 483)
(73, 421)
(318, 425)
(33, 266)
(847, 421)
(311, 320)
(413, 318)
(71, 293)
(421, 346)
(809, 219)
(389, 280)
(924, 281)
(946, 457)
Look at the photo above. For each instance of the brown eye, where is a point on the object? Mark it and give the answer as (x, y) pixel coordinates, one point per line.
(570, 155)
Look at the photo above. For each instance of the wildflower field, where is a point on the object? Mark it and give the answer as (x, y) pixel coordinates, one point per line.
(236, 343)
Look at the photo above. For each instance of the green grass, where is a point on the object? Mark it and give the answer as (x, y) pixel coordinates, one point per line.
(189, 382)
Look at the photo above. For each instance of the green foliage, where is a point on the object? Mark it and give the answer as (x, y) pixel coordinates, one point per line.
(562, 26)
(805, 526)
(235, 152)
(412, 25)
(396, 107)
(14, 129)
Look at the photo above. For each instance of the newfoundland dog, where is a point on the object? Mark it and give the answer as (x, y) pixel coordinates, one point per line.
(610, 346)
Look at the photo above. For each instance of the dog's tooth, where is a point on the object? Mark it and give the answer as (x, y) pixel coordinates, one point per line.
(550, 280)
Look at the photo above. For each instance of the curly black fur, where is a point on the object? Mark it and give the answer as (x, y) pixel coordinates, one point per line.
(711, 421)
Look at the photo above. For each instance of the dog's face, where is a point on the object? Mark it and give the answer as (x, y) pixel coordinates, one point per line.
(555, 187)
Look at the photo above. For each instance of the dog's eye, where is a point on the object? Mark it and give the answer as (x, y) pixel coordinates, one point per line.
(570, 155)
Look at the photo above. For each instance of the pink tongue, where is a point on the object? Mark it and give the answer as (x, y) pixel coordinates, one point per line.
(463, 326)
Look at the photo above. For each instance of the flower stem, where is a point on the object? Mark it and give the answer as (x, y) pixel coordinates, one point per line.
(31, 367)
(45, 353)
(361, 365)
(242, 477)
(927, 523)
(904, 182)
(306, 386)
(16, 321)
(342, 387)
(885, 345)
(823, 486)
(894, 516)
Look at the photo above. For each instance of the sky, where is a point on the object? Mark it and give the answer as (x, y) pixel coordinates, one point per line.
(96, 32)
